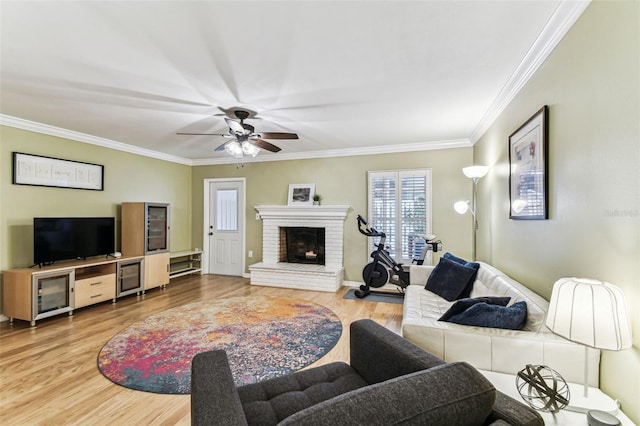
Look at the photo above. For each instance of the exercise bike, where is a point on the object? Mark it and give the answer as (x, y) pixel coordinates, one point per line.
(384, 269)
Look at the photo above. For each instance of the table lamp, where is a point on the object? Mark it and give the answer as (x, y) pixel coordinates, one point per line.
(591, 313)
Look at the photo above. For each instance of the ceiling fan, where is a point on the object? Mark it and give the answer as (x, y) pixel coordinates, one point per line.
(243, 138)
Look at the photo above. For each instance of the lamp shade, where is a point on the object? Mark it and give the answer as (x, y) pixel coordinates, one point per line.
(475, 171)
(589, 312)
(461, 207)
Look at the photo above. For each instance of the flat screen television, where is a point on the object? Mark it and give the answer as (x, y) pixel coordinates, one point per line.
(65, 238)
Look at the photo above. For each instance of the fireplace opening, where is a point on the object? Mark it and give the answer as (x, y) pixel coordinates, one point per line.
(304, 245)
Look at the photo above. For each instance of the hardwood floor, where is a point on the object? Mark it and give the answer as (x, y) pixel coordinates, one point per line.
(49, 374)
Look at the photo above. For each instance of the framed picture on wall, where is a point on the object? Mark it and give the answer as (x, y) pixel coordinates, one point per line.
(37, 170)
(301, 194)
(528, 183)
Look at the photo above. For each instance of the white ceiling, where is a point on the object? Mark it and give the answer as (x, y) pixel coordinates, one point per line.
(347, 76)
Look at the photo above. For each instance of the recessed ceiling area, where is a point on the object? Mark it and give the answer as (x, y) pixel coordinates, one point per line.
(347, 77)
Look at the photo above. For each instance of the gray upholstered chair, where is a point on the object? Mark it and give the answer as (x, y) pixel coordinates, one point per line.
(390, 381)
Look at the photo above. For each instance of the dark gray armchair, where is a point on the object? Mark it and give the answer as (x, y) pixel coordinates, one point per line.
(390, 381)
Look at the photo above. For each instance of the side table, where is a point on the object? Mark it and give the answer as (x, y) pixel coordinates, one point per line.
(506, 383)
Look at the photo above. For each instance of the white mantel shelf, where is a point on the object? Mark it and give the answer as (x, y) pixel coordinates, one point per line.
(309, 212)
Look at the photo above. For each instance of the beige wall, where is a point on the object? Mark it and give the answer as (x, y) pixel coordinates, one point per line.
(343, 180)
(128, 177)
(591, 84)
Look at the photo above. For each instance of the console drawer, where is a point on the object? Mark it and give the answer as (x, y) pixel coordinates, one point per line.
(95, 289)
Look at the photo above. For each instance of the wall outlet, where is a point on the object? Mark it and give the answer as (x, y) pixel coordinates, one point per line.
(250, 254)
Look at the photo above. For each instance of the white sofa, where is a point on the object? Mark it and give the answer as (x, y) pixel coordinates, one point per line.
(504, 351)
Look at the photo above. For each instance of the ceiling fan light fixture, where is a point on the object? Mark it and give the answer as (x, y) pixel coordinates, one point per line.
(250, 149)
(234, 149)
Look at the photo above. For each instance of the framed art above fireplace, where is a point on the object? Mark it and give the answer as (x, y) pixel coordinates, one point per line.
(301, 194)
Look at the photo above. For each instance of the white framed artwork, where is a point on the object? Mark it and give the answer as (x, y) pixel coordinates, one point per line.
(301, 194)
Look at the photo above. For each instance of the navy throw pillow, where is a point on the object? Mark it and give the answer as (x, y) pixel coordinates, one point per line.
(463, 304)
(461, 261)
(449, 279)
(511, 317)
(475, 265)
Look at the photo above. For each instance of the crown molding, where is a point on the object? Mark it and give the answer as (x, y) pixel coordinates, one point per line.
(32, 126)
(347, 152)
(562, 19)
(7, 120)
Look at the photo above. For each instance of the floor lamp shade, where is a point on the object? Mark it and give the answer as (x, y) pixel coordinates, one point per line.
(589, 312)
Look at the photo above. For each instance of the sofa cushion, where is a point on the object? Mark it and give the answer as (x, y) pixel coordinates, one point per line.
(495, 316)
(463, 304)
(268, 402)
(449, 394)
(450, 279)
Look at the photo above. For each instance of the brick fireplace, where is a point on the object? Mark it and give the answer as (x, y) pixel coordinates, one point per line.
(276, 271)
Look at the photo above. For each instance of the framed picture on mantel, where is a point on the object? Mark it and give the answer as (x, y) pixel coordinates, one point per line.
(528, 182)
(301, 194)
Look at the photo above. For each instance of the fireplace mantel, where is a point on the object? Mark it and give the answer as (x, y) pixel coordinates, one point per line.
(307, 212)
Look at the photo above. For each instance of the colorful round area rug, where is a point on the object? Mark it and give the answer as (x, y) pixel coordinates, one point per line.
(264, 337)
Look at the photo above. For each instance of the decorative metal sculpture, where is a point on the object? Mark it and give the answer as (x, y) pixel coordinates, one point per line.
(543, 388)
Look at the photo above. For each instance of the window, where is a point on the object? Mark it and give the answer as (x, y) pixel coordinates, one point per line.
(227, 210)
(400, 206)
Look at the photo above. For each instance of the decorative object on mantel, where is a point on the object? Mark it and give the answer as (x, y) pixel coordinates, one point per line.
(591, 313)
(317, 199)
(528, 183)
(543, 388)
(475, 173)
(36, 170)
(264, 337)
(301, 194)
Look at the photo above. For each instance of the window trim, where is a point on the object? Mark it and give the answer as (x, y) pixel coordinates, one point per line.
(398, 175)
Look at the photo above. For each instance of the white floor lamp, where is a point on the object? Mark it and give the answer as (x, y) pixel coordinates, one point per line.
(591, 313)
(475, 173)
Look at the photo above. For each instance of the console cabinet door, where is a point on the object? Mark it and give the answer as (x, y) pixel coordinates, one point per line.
(156, 270)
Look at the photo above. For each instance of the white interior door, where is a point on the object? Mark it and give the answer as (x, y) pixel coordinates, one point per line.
(225, 228)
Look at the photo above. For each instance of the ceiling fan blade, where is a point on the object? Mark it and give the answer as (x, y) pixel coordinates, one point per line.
(265, 145)
(235, 126)
(221, 147)
(277, 135)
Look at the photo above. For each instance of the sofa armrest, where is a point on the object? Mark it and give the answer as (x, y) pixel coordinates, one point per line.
(214, 397)
(513, 412)
(378, 354)
(418, 274)
(450, 394)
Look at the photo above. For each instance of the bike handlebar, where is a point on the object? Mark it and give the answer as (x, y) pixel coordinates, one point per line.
(369, 232)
